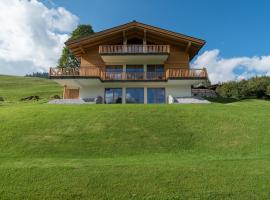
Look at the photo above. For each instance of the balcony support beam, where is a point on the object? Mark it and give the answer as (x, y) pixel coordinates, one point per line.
(144, 37)
(124, 38)
(188, 47)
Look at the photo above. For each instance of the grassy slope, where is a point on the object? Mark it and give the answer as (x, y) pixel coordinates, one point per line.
(217, 151)
(13, 88)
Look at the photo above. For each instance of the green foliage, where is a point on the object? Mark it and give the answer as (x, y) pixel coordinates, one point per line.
(68, 59)
(82, 30)
(268, 90)
(253, 88)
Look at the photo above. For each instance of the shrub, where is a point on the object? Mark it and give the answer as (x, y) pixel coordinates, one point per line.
(257, 87)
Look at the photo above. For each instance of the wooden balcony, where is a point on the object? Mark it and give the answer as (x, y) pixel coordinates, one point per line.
(169, 73)
(134, 49)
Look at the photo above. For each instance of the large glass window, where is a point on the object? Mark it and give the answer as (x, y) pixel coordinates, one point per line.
(134, 72)
(114, 72)
(135, 95)
(155, 95)
(155, 72)
(113, 95)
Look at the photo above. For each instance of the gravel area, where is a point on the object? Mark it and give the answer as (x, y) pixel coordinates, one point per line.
(177, 100)
(187, 100)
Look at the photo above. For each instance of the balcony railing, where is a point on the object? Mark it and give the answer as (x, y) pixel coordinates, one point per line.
(134, 49)
(87, 72)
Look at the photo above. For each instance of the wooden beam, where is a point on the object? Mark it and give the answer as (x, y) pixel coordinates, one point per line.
(188, 47)
(124, 38)
(144, 37)
(82, 49)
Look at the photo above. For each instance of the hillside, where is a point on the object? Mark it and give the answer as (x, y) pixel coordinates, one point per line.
(13, 88)
(210, 151)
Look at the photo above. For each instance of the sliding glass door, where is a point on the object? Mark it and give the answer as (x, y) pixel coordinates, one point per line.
(155, 72)
(114, 72)
(134, 72)
(113, 95)
(135, 95)
(155, 95)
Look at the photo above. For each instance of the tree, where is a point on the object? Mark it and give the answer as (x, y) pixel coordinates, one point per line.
(68, 59)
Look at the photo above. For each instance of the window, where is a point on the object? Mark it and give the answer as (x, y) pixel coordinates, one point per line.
(134, 68)
(114, 68)
(155, 72)
(155, 95)
(135, 95)
(113, 95)
(114, 72)
(134, 72)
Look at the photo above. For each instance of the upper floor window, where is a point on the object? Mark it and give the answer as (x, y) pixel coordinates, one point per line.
(114, 68)
(155, 72)
(134, 72)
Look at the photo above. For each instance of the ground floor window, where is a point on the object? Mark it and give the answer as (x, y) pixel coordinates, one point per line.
(135, 95)
(155, 95)
(113, 95)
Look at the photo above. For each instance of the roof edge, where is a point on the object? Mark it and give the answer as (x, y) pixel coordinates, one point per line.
(135, 23)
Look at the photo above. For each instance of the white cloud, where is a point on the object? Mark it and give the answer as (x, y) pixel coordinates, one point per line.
(32, 35)
(225, 69)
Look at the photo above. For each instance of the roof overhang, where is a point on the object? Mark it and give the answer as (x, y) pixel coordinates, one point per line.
(191, 45)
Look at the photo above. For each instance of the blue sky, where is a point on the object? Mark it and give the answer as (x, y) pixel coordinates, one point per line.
(237, 32)
(235, 27)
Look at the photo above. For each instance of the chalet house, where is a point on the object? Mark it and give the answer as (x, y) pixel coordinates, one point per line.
(131, 63)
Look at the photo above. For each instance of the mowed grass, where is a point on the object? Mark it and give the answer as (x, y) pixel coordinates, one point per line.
(13, 88)
(215, 151)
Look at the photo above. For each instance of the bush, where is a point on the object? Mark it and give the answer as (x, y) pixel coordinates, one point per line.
(257, 87)
(268, 90)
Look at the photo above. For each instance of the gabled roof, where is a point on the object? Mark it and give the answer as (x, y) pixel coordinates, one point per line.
(192, 43)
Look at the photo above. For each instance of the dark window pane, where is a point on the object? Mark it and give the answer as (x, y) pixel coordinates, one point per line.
(113, 95)
(155, 72)
(155, 95)
(134, 68)
(134, 95)
(114, 68)
(114, 72)
(134, 72)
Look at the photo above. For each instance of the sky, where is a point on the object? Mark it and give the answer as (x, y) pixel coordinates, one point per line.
(237, 32)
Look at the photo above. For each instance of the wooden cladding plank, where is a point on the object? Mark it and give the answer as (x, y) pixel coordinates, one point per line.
(71, 93)
(118, 49)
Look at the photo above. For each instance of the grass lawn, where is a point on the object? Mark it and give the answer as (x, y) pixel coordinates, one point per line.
(210, 151)
(13, 88)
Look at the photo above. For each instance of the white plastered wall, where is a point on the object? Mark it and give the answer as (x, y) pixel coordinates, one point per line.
(91, 88)
(173, 90)
(178, 90)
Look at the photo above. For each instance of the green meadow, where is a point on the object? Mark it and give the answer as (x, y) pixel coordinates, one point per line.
(166, 152)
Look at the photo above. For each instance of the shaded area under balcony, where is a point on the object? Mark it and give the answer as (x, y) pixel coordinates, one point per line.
(132, 53)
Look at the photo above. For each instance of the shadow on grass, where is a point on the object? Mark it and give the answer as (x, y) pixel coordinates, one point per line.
(221, 100)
